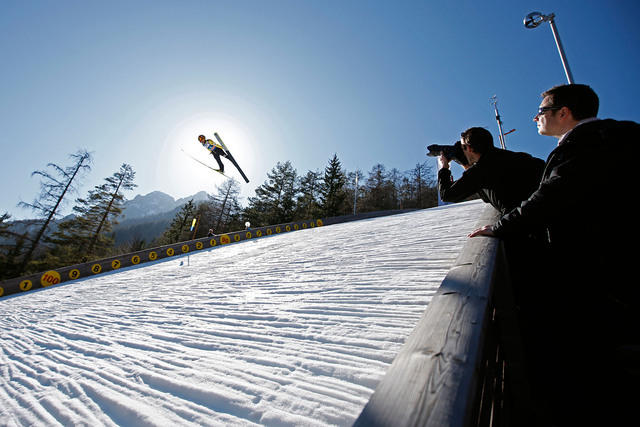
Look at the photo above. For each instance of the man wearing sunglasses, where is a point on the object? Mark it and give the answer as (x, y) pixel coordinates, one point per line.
(581, 325)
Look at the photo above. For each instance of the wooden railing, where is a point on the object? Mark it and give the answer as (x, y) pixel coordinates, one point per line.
(462, 365)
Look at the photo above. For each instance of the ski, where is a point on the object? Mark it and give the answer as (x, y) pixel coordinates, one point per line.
(204, 164)
(230, 157)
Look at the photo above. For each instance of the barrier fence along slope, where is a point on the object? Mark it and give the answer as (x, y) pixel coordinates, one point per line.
(92, 268)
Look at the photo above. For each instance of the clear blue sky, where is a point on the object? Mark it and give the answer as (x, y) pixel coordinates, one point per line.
(372, 81)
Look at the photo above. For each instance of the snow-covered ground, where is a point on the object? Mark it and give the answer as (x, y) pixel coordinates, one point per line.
(291, 330)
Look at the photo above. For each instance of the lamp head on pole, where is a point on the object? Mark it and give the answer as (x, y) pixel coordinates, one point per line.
(534, 19)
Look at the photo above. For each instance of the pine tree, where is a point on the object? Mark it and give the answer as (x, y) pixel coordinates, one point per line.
(275, 200)
(228, 210)
(10, 248)
(420, 187)
(394, 182)
(53, 190)
(179, 229)
(380, 190)
(5, 233)
(308, 203)
(334, 196)
(89, 235)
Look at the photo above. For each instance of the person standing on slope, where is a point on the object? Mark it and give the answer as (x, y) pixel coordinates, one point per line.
(215, 149)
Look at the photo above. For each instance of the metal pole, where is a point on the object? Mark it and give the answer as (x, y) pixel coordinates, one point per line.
(534, 19)
(563, 57)
(500, 135)
(355, 193)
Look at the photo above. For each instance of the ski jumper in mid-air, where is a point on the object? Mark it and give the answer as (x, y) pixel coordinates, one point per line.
(215, 149)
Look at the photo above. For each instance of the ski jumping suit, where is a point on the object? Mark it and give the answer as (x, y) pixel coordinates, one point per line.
(217, 151)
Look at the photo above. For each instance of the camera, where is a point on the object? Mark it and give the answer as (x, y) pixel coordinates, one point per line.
(451, 152)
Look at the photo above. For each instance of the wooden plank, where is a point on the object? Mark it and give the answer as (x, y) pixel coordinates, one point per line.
(433, 381)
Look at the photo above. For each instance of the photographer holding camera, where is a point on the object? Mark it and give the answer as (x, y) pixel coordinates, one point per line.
(501, 177)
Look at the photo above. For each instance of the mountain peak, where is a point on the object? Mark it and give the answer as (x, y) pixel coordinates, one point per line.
(156, 203)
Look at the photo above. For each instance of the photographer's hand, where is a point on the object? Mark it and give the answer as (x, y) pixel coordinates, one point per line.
(487, 230)
(443, 162)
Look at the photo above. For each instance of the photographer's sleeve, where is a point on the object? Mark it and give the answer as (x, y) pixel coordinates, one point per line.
(458, 191)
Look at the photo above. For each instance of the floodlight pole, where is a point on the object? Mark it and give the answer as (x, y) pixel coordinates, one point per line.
(534, 19)
(501, 134)
(563, 57)
(355, 193)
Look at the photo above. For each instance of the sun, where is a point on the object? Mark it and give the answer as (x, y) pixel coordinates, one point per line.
(188, 176)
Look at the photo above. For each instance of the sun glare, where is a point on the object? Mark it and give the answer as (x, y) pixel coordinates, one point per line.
(187, 176)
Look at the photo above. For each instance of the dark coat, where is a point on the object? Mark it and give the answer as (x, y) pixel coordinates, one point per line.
(582, 298)
(583, 199)
(502, 178)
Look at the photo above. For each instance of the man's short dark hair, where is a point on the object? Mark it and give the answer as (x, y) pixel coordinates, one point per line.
(580, 99)
(479, 139)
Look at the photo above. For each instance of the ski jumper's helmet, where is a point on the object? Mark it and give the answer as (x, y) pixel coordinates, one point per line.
(202, 138)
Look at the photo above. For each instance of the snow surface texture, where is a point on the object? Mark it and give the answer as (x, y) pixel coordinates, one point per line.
(291, 330)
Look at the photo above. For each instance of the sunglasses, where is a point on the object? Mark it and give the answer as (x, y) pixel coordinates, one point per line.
(543, 110)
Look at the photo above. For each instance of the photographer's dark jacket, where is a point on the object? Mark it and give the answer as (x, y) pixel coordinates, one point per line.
(584, 199)
(501, 177)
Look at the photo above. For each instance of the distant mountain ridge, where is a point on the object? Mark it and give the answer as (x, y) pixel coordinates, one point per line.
(147, 217)
(156, 203)
(144, 217)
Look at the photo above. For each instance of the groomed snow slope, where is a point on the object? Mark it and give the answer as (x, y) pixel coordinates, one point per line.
(291, 330)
